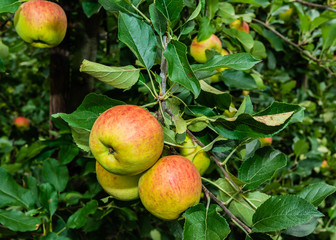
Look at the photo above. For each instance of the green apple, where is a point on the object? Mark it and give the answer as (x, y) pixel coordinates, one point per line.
(240, 25)
(126, 140)
(22, 123)
(170, 187)
(194, 153)
(4, 50)
(266, 141)
(41, 23)
(197, 48)
(120, 187)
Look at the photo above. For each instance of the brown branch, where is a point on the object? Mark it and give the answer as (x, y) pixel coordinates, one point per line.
(163, 74)
(286, 40)
(214, 157)
(227, 211)
(315, 5)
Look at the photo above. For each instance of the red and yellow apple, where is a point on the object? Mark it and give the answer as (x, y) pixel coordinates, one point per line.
(193, 152)
(22, 123)
(41, 23)
(170, 187)
(126, 140)
(197, 48)
(266, 141)
(240, 25)
(120, 187)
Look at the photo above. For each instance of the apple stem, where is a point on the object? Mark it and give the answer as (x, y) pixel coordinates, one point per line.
(227, 211)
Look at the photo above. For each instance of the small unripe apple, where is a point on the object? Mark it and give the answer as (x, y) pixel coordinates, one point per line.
(286, 16)
(194, 153)
(41, 23)
(170, 187)
(240, 25)
(245, 93)
(126, 140)
(265, 141)
(197, 48)
(22, 123)
(215, 78)
(120, 187)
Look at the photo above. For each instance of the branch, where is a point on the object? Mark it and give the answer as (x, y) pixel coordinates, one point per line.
(227, 211)
(2, 26)
(217, 161)
(163, 74)
(315, 5)
(294, 45)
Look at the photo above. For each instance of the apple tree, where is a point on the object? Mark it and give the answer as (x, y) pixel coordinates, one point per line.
(244, 89)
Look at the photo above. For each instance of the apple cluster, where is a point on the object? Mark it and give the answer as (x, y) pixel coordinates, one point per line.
(127, 142)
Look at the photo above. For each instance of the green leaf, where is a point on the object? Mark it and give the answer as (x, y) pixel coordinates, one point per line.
(90, 8)
(171, 9)
(118, 77)
(29, 152)
(55, 174)
(117, 5)
(316, 193)
(263, 124)
(86, 114)
(196, 12)
(9, 6)
(48, 198)
(244, 38)
(17, 221)
(329, 34)
(67, 153)
(204, 224)
(301, 147)
(81, 137)
(238, 61)
(302, 230)
(12, 194)
(79, 218)
(259, 51)
(205, 29)
(238, 79)
(159, 22)
(139, 37)
(179, 69)
(258, 3)
(282, 212)
(261, 166)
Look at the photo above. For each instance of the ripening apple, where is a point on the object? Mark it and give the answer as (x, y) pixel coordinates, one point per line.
(215, 78)
(41, 23)
(266, 141)
(22, 123)
(286, 16)
(240, 25)
(170, 187)
(194, 153)
(126, 140)
(120, 187)
(197, 48)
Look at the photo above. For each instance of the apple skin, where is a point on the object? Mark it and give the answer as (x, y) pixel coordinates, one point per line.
(126, 140)
(199, 158)
(170, 187)
(41, 23)
(286, 16)
(266, 141)
(120, 187)
(197, 49)
(240, 25)
(22, 123)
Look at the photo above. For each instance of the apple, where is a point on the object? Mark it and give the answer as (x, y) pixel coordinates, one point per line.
(324, 164)
(126, 140)
(265, 141)
(41, 23)
(215, 78)
(120, 187)
(197, 48)
(240, 25)
(245, 93)
(286, 16)
(22, 123)
(194, 153)
(170, 187)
